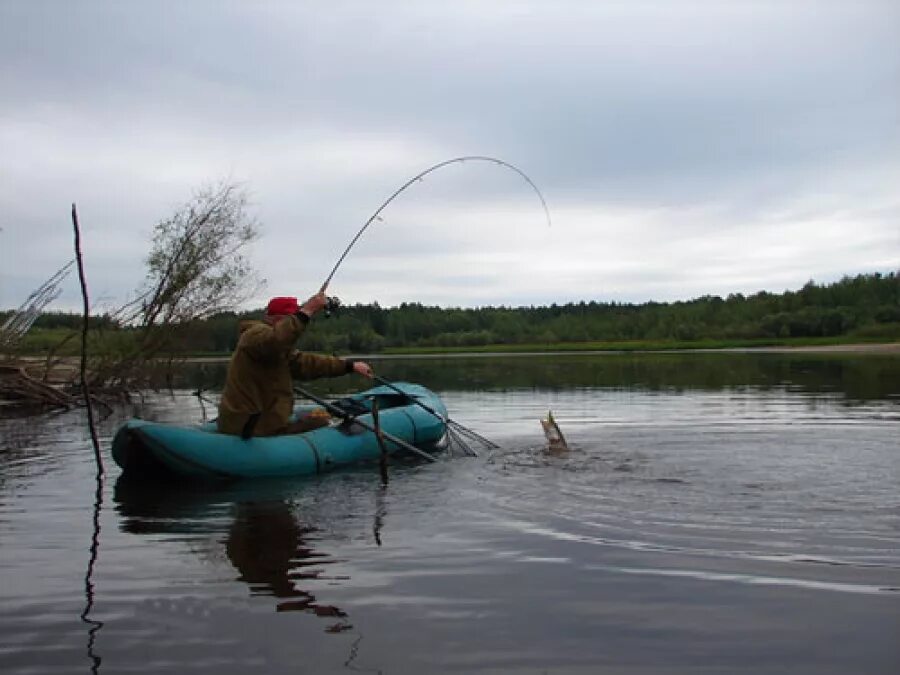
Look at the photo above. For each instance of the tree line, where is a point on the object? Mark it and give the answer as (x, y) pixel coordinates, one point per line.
(865, 306)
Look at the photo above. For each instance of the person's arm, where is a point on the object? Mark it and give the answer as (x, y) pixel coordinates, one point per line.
(309, 308)
(306, 366)
(267, 342)
(264, 342)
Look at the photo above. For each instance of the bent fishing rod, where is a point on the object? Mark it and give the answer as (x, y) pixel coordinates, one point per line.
(418, 177)
(449, 423)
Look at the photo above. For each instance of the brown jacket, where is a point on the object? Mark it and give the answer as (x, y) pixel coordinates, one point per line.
(259, 380)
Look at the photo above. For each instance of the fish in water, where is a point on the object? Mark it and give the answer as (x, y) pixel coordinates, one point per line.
(555, 439)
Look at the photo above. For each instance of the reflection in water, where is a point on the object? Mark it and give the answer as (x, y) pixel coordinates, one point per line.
(380, 506)
(350, 663)
(24, 450)
(95, 626)
(734, 497)
(857, 377)
(271, 550)
(267, 544)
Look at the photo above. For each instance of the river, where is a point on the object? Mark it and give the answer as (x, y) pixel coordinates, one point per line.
(721, 513)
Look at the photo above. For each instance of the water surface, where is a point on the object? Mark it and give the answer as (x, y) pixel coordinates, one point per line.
(716, 514)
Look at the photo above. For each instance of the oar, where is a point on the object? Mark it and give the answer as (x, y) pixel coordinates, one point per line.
(343, 415)
(379, 435)
(442, 418)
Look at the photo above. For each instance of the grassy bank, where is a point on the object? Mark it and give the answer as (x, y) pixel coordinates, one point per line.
(643, 345)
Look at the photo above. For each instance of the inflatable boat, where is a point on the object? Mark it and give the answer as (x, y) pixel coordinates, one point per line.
(143, 448)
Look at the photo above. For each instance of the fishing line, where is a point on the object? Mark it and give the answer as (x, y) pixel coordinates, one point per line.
(420, 176)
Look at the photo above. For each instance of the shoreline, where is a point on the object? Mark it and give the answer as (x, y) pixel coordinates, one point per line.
(874, 348)
(858, 348)
(886, 348)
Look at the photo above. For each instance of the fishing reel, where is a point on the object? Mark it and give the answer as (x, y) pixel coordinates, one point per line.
(332, 305)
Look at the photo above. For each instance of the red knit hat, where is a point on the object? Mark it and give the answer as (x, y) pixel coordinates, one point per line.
(282, 306)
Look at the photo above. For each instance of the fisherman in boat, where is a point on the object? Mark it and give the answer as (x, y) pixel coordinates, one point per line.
(258, 398)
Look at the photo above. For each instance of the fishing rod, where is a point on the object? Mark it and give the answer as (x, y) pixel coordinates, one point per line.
(420, 176)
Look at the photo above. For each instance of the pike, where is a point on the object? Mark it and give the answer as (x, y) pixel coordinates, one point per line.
(555, 439)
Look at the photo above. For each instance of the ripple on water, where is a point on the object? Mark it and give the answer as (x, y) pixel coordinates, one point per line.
(680, 521)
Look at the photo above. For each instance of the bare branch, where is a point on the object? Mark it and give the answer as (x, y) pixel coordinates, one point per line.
(195, 268)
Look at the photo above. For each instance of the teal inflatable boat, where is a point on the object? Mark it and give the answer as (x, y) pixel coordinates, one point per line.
(144, 448)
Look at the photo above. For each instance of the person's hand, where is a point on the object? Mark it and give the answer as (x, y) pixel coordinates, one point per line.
(364, 369)
(315, 304)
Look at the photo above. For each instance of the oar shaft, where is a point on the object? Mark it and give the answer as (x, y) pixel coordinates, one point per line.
(340, 413)
(391, 385)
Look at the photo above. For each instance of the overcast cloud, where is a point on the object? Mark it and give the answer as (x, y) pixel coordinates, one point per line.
(684, 148)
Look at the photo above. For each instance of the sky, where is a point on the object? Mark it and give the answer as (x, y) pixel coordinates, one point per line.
(684, 148)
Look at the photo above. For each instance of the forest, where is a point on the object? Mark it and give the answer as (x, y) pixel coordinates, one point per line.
(862, 307)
